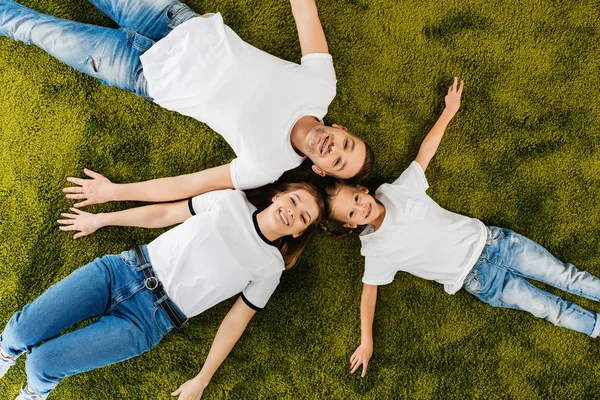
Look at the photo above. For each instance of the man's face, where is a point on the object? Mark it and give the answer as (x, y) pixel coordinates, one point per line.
(335, 151)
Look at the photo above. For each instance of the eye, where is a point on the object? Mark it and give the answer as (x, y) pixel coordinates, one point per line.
(356, 198)
(293, 201)
(336, 162)
(351, 214)
(345, 143)
(303, 219)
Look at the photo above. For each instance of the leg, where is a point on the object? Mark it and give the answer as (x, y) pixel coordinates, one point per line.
(151, 18)
(111, 55)
(526, 258)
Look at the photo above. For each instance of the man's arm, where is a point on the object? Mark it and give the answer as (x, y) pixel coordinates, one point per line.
(363, 353)
(99, 189)
(310, 30)
(434, 137)
(230, 331)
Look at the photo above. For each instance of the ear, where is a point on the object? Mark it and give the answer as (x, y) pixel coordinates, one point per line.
(362, 189)
(297, 235)
(278, 195)
(351, 226)
(339, 127)
(318, 171)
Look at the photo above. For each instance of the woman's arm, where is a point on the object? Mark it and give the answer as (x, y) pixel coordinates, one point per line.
(434, 137)
(229, 333)
(100, 190)
(153, 216)
(363, 353)
(310, 30)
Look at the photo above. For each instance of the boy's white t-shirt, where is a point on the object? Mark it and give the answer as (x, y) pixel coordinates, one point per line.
(203, 69)
(215, 254)
(420, 237)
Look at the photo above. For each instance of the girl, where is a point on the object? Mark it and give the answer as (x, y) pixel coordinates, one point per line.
(230, 242)
(407, 231)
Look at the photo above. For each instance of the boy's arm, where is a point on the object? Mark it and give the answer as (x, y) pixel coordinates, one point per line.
(153, 216)
(231, 329)
(363, 353)
(432, 140)
(99, 189)
(310, 30)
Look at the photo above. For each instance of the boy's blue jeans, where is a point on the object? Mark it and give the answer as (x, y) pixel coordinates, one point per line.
(111, 55)
(499, 278)
(111, 288)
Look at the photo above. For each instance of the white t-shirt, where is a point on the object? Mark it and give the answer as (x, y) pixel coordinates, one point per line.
(216, 254)
(420, 237)
(202, 69)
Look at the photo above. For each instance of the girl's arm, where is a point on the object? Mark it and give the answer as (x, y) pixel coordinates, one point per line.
(432, 140)
(310, 30)
(363, 353)
(153, 216)
(100, 190)
(229, 333)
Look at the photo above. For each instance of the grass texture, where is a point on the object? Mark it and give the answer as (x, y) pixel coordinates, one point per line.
(523, 153)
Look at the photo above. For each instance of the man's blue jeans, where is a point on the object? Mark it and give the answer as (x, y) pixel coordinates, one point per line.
(499, 278)
(112, 288)
(111, 55)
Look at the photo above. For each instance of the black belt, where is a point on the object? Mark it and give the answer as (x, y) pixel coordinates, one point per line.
(154, 285)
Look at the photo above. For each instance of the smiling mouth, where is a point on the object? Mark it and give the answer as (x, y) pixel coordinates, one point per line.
(369, 209)
(326, 141)
(283, 218)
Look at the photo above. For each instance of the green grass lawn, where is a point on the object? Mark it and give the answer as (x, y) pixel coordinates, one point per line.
(523, 153)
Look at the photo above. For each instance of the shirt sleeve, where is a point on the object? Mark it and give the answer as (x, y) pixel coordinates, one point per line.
(245, 176)
(257, 293)
(413, 177)
(322, 65)
(204, 202)
(378, 271)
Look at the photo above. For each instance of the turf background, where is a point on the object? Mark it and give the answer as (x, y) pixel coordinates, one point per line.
(523, 153)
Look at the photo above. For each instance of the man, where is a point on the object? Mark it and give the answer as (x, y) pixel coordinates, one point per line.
(267, 109)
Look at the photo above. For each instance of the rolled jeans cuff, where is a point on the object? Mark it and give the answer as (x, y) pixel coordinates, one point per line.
(596, 330)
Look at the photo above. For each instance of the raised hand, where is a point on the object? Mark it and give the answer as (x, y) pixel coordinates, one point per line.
(190, 390)
(82, 222)
(97, 190)
(453, 97)
(361, 356)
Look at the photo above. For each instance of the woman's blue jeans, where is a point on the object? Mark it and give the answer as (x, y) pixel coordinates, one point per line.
(111, 288)
(111, 55)
(499, 278)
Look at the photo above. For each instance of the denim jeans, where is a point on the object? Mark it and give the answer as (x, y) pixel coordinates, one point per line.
(499, 278)
(111, 55)
(111, 288)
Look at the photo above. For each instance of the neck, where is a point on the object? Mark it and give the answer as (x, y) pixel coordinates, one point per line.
(265, 227)
(300, 131)
(376, 224)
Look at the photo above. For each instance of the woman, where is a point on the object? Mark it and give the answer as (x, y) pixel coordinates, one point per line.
(230, 242)
(405, 230)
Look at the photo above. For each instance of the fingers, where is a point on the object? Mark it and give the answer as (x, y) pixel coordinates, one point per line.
(77, 181)
(78, 235)
(177, 392)
(83, 204)
(455, 84)
(76, 196)
(73, 189)
(364, 371)
(460, 88)
(91, 173)
(356, 365)
(66, 221)
(67, 228)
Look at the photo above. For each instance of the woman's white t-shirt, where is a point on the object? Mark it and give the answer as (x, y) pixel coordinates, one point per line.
(420, 237)
(203, 69)
(216, 254)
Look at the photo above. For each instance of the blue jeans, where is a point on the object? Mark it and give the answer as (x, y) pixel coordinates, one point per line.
(112, 288)
(499, 278)
(111, 55)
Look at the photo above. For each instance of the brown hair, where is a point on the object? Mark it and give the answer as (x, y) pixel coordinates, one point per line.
(367, 167)
(330, 192)
(291, 248)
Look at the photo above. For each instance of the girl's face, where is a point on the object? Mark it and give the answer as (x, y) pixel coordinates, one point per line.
(353, 205)
(292, 212)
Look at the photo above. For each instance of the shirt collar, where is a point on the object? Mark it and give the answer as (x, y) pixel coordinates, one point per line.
(260, 234)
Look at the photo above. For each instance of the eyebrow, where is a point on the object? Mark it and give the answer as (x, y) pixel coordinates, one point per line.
(346, 161)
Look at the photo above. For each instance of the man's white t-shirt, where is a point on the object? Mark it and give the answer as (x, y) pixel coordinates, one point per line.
(215, 254)
(420, 237)
(203, 69)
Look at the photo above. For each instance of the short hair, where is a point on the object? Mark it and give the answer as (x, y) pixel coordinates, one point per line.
(367, 167)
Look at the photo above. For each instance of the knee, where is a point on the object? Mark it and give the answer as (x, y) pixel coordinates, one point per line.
(39, 367)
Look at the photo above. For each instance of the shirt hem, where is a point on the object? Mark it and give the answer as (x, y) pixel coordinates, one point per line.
(249, 303)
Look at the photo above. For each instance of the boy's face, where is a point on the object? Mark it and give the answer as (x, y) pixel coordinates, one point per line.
(353, 205)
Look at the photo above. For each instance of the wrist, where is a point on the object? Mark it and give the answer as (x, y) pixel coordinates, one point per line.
(449, 113)
(101, 220)
(201, 380)
(366, 340)
(115, 193)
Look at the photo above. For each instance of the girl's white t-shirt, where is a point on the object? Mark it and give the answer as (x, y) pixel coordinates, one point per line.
(420, 237)
(216, 254)
(204, 70)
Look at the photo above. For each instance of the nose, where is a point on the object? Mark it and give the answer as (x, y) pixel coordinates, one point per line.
(290, 213)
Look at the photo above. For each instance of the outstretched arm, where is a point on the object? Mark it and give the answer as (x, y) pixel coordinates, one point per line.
(99, 189)
(310, 30)
(153, 216)
(230, 331)
(363, 353)
(434, 137)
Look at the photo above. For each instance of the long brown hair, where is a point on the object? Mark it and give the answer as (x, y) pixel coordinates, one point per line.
(291, 248)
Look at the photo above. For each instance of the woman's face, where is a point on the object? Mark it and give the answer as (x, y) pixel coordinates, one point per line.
(353, 205)
(292, 212)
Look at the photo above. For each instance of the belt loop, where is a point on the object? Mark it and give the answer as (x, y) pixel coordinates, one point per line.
(162, 299)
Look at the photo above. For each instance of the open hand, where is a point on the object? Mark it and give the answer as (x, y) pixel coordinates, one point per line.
(97, 190)
(190, 390)
(453, 97)
(361, 356)
(83, 222)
